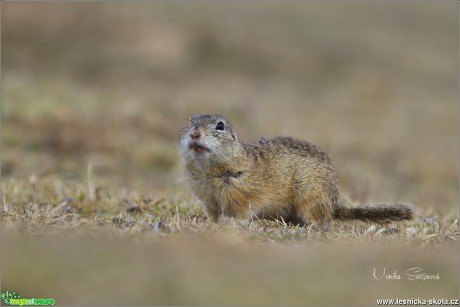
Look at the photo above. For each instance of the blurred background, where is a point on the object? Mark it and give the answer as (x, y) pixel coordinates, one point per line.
(106, 87)
(374, 84)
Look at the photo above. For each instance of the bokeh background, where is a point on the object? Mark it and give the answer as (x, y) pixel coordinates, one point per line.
(375, 84)
(107, 87)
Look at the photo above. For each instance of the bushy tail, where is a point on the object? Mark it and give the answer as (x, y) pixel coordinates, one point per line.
(377, 213)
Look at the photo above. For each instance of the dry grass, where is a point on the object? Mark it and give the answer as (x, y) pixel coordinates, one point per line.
(94, 96)
(162, 251)
(41, 208)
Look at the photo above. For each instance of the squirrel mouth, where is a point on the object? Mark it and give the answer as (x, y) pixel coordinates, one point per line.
(198, 148)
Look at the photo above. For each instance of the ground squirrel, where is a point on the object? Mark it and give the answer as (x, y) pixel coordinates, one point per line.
(277, 178)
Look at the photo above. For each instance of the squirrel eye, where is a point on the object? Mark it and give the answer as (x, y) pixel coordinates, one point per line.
(220, 126)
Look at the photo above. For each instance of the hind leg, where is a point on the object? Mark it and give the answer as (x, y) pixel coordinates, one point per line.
(314, 207)
(212, 211)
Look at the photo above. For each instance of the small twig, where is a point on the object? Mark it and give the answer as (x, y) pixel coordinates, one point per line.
(442, 226)
(177, 217)
(252, 212)
(284, 223)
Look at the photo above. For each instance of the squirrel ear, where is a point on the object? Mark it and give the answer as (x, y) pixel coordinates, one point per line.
(234, 136)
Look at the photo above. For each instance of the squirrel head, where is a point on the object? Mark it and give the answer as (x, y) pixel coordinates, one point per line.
(208, 140)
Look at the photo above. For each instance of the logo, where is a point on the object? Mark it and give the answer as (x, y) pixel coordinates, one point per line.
(14, 299)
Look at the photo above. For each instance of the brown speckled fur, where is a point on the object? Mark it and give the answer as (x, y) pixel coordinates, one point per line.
(281, 177)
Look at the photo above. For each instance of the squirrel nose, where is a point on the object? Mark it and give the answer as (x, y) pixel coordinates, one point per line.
(195, 134)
